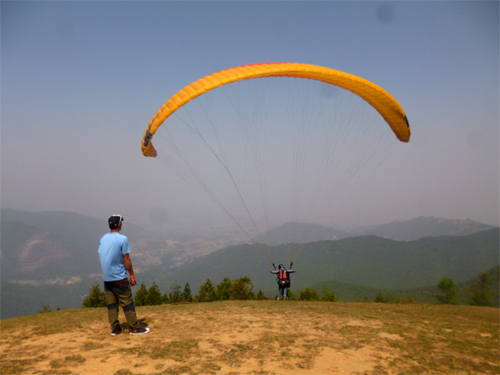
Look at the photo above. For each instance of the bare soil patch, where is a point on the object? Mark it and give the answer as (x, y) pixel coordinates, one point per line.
(259, 337)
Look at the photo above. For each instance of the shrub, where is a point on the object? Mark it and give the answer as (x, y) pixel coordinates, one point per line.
(380, 298)
(328, 296)
(260, 296)
(409, 300)
(95, 298)
(45, 309)
(480, 293)
(242, 289)
(308, 295)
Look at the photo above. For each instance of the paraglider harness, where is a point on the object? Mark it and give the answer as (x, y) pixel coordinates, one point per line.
(284, 277)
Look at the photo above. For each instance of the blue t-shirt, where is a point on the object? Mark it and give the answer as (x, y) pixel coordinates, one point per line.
(112, 247)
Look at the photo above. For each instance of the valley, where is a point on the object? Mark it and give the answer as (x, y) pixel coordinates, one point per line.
(46, 261)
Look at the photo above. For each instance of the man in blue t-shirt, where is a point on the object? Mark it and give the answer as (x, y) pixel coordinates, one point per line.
(114, 253)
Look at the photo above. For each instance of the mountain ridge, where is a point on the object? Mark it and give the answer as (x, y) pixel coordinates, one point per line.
(425, 226)
(44, 245)
(302, 233)
(365, 260)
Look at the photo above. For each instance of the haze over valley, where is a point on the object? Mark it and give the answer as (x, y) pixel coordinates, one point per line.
(59, 249)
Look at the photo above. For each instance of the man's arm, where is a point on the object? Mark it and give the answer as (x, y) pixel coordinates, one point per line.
(130, 269)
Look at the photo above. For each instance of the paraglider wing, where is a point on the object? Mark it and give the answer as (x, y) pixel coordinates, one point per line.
(377, 97)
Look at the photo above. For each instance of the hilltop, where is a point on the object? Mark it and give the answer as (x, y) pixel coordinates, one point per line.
(265, 337)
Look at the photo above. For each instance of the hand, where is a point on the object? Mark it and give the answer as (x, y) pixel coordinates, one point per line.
(132, 280)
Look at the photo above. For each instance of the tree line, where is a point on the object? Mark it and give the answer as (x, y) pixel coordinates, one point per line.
(481, 295)
(227, 289)
(242, 289)
(479, 289)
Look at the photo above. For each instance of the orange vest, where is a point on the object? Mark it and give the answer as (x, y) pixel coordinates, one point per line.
(283, 275)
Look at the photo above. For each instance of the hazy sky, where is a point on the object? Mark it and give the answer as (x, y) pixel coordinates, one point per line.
(81, 80)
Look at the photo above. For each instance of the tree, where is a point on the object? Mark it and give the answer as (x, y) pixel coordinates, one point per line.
(207, 292)
(154, 295)
(224, 289)
(140, 296)
(175, 293)
(186, 294)
(308, 295)
(94, 298)
(449, 292)
(328, 296)
(242, 289)
(260, 296)
(45, 309)
(480, 293)
(380, 298)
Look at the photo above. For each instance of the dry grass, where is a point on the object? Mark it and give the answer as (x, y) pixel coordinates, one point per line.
(259, 337)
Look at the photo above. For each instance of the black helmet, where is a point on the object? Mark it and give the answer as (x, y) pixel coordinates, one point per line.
(114, 221)
(281, 266)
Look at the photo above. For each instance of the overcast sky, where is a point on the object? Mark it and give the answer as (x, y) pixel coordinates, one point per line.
(81, 80)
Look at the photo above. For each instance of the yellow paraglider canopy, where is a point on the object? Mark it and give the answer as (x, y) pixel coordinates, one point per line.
(377, 97)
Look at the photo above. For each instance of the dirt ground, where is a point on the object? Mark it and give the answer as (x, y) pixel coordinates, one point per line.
(258, 337)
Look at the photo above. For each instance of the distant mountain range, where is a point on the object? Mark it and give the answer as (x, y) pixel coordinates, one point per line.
(425, 226)
(38, 246)
(47, 244)
(409, 230)
(367, 260)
